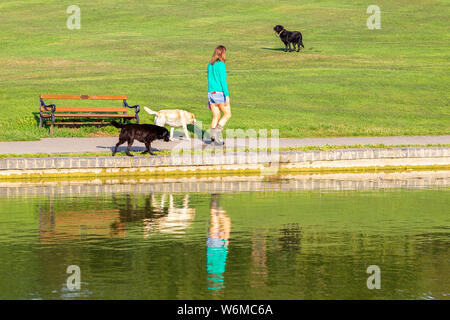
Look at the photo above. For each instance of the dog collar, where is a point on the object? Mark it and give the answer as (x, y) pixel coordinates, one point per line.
(279, 33)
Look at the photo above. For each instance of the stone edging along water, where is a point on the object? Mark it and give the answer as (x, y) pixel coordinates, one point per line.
(224, 184)
(268, 162)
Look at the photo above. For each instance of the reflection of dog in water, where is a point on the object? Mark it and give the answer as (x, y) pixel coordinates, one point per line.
(157, 214)
(177, 219)
(291, 237)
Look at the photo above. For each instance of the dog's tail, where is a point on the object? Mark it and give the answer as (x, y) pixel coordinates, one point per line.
(150, 111)
(117, 125)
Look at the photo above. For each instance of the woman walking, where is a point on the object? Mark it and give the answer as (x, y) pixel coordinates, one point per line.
(218, 95)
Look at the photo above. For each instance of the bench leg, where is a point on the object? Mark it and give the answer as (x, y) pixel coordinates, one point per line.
(52, 124)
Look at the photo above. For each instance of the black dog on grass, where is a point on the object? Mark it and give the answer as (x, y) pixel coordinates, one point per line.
(288, 37)
(145, 133)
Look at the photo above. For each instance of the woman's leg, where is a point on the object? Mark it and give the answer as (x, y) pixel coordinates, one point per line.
(216, 115)
(226, 109)
(217, 131)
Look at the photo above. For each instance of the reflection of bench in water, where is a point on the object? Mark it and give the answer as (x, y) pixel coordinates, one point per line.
(69, 225)
(164, 213)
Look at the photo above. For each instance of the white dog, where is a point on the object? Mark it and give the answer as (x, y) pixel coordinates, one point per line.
(173, 118)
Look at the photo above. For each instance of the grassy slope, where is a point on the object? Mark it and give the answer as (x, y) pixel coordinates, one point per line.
(348, 81)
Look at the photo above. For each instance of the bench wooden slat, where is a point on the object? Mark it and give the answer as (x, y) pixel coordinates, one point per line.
(59, 96)
(87, 115)
(82, 96)
(104, 97)
(62, 123)
(86, 109)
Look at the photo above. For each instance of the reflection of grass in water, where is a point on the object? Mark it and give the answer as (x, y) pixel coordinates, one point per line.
(348, 81)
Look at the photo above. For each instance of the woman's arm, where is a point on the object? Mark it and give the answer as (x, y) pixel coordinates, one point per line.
(223, 80)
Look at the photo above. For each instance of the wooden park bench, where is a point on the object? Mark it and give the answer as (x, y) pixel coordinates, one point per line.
(85, 114)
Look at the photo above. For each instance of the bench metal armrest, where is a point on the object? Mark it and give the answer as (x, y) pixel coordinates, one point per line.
(137, 107)
(51, 106)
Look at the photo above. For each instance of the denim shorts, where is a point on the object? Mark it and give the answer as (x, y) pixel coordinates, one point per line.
(217, 97)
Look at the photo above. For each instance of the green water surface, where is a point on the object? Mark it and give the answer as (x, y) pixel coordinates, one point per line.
(250, 245)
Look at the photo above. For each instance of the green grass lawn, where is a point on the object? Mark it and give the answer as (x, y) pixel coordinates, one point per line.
(348, 81)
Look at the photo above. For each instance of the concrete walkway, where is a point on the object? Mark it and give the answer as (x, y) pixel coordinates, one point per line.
(105, 144)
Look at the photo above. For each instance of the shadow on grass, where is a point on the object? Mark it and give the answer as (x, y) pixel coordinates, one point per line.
(192, 128)
(37, 117)
(73, 123)
(302, 50)
(274, 49)
(124, 147)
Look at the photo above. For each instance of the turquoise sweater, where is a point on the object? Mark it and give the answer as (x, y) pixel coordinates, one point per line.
(217, 78)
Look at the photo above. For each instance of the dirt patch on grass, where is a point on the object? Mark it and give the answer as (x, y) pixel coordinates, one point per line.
(53, 62)
(100, 134)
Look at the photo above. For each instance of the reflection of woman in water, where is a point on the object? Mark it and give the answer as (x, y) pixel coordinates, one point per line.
(217, 250)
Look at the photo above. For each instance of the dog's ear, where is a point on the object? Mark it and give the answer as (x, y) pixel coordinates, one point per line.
(166, 135)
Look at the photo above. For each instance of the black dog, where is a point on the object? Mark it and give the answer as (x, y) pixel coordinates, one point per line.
(145, 133)
(289, 37)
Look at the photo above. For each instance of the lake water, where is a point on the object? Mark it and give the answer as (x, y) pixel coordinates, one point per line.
(305, 237)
